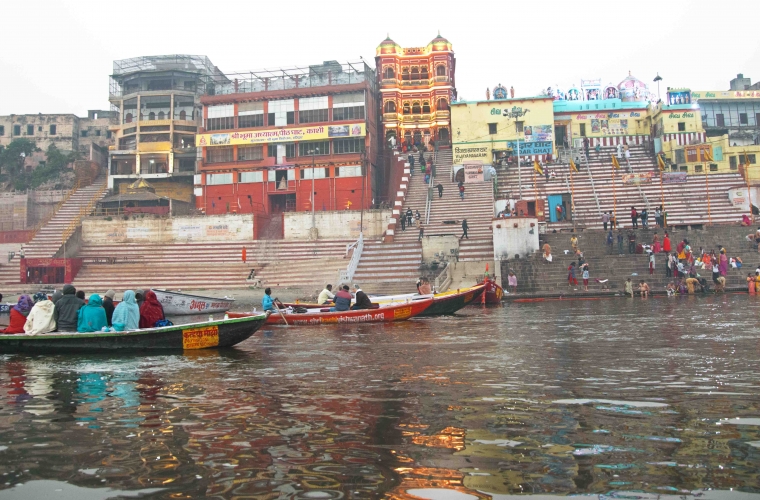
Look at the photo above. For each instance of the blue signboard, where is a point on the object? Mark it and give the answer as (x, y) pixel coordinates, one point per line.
(531, 148)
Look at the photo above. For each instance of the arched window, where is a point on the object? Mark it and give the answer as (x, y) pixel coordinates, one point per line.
(151, 116)
(390, 107)
(440, 70)
(425, 107)
(424, 73)
(405, 73)
(182, 115)
(128, 118)
(443, 104)
(415, 73)
(416, 107)
(406, 108)
(389, 73)
(161, 115)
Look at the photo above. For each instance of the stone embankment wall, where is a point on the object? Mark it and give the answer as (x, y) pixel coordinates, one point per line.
(148, 229)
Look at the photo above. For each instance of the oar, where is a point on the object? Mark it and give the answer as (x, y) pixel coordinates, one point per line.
(281, 314)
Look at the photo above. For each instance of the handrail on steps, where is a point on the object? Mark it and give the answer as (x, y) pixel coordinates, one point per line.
(347, 275)
(428, 196)
(593, 187)
(443, 280)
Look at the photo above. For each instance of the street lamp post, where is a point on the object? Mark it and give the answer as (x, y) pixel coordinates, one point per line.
(313, 232)
(658, 79)
(514, 114)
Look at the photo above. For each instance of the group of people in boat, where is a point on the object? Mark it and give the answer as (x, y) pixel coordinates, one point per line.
(339, 301)
(68, 311)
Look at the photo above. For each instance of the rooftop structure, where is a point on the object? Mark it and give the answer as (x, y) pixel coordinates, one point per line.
(127, 72)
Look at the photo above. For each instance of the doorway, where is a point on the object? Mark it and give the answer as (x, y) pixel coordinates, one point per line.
(583, 130)
(561, 134)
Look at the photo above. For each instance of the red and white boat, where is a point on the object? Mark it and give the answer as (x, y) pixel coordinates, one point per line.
(389, 313)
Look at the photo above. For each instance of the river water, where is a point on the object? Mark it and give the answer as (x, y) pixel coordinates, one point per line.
(622, 398)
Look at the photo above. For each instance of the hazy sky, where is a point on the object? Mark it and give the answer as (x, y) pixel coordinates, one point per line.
(57, 55)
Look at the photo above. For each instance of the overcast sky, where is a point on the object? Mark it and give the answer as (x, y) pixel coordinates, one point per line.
(57, 55)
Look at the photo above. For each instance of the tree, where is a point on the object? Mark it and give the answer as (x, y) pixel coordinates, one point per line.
(12, 157)
(55, 164)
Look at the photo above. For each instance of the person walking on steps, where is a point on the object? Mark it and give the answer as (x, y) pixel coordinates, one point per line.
(440, 190)
(465, 227)
(461, 190)
(411, 163)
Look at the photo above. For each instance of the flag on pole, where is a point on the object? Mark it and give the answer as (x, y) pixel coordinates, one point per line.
(615, 162)
(746, 159)
(660, 163)
(537, 167)
(573, 166)
(707, 155)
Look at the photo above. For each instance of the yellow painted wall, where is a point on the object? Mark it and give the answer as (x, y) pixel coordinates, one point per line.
(722, 153)
(470, 132)
(607, 123)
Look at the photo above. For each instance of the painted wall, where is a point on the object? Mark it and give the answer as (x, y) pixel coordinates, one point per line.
(509, 240)
(432, 245)
(229, 227)
(338, 224)
(609, 117)
(472, 139)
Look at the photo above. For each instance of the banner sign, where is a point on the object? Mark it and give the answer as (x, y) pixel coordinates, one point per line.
(538, 133)
(531, 148)
(673, 177)
(462, 153)
(642, 178)
(473, 172)
(276, 135)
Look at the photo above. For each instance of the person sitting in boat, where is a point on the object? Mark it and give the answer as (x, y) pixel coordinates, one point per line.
(126, 315)
(108, 306)
(423, 287)
(151, 310)
(362, 300)
(326, 296)
(139, 297)
(19, 312)
(342, 300)
(92, 316)
(40, 319)
(66, 312)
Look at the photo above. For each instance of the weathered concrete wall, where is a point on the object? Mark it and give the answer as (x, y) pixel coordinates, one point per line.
(229, 227)
(512, 235)
(41, 204)
(338, 224)
(13, 211)
(432, 245)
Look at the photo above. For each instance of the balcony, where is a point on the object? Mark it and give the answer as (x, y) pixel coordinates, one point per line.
(424, 117)
(390, 117)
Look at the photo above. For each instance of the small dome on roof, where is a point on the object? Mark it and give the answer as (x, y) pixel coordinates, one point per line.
(388, 46)
(439, 44)
(632, 89)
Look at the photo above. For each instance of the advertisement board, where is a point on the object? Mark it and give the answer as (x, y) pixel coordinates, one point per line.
(269, 136)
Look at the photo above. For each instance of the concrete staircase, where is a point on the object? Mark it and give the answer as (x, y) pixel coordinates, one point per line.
(389, 268)
(536, 276)
(212, 265)
(49, 238)
(686, 203)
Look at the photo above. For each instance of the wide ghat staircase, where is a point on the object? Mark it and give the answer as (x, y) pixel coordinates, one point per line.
(49, 238)
(686, 203)
(274, 263)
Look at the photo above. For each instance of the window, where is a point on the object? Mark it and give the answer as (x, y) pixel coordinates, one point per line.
(2, 129)
(732, 163)
(389, 74)
(683, 168)
(492, 128)
(278, 175)
(720, 120)
(424, 73)
(425, 107)
(348, 107)
(30, 130)
(281, 113)
(184, 108)
(128, 143)
(405, 73)
(246, 153)
(743, 120)
(221, 117)
(257, 176)
(390, 107)
(217, 179)
(83, 133)
(250, 114)
(343, 146)
(752, 159)
(39, 128)
(108, 134)
(680, 156)
(17, 130)
(319, 173)
(355, 171)
(416, 109)
(155, 106)
(312, 109)
(697, 168)
(440, 70)
(290, 150)
(757, 119)
(320, 148)
(407, 108)
(682, 126)
(713, 167)
(415, 73)
(53, 130)
(519, 128)
(97, 132)
(219, 154)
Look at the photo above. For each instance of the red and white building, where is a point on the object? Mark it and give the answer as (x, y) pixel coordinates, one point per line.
(269, 137)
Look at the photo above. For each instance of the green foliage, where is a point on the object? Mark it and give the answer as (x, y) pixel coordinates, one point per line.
(55, 164)
(12, 160)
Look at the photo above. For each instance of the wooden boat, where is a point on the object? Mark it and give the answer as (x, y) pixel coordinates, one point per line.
(206, 335)
(178, 304)
(493, 292)
(391, 312)
(443, 303)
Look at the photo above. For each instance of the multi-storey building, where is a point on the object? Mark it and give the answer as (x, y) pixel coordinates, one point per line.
(282, 140)
(417, 87)
(157, 101)
(734, 112)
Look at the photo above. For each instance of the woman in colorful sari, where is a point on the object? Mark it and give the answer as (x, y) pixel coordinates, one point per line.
(19, 312)
(723, 262)
(151, 310)
(126, 315)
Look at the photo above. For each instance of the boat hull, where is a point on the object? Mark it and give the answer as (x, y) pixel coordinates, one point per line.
(444, 304)
(208, 335)
(493, 292)
(396, 312)
(179, 304)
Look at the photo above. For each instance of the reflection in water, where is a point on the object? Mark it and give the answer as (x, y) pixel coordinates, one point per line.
(591, 397)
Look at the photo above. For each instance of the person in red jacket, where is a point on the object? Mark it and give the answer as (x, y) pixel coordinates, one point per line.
(19, 312)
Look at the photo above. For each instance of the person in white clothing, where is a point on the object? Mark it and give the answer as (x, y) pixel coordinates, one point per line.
(40, 318)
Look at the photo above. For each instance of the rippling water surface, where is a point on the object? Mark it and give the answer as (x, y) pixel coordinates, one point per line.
(628, 398)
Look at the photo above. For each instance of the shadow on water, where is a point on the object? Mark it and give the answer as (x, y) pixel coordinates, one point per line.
(609, 397)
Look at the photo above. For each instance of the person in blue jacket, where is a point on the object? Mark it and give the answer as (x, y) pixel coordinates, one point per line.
(267, 302)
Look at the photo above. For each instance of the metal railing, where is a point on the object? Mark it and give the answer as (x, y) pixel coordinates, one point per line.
(58, 206)
(347, 275)
(591, 178)
(83, 212)
(429, 196)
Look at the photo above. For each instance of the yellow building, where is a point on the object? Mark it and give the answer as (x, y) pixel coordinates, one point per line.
(486, 130)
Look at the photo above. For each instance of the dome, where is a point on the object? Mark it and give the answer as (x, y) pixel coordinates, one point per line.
(439, 44)
(632, 89)
(388, 46)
